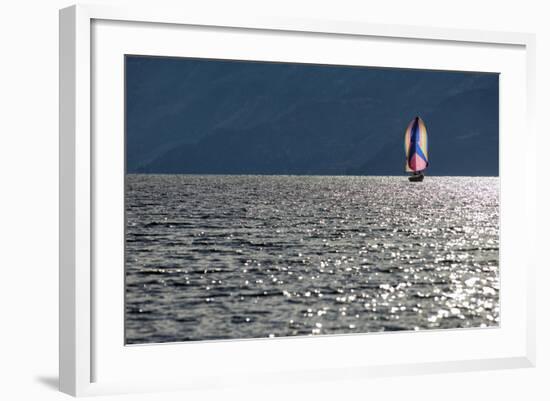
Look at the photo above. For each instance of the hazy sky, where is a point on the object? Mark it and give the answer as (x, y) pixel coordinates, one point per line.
(241, 117)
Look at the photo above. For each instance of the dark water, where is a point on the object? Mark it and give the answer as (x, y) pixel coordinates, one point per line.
(224, 257)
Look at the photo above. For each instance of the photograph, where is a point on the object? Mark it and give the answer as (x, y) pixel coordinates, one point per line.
(278, 199)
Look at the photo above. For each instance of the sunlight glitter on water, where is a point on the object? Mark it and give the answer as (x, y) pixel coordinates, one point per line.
(216, 257)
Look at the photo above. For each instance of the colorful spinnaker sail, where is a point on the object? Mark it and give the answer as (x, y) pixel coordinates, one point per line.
(416, 146)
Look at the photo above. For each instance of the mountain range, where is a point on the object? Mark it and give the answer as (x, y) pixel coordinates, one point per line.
(237, 117)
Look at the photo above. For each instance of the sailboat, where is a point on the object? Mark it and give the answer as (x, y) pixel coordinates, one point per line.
(416, 149)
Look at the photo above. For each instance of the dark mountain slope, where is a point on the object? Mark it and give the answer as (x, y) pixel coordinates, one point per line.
(463, 139)
(203, 116)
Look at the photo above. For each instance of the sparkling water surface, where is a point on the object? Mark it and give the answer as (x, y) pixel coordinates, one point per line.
(229, 257)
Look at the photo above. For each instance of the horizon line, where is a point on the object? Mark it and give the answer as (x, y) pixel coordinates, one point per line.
(305, 175)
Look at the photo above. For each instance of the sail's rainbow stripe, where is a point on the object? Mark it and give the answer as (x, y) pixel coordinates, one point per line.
(416, 146)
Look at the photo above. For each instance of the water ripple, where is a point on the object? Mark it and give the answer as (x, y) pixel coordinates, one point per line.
(218, 257)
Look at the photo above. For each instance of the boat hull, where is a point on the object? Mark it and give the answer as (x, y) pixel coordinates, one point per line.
(416, 178)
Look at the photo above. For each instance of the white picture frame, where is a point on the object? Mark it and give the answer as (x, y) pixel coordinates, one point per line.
(89, 361)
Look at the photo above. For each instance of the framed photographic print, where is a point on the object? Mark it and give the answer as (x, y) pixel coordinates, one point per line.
(273, 199)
